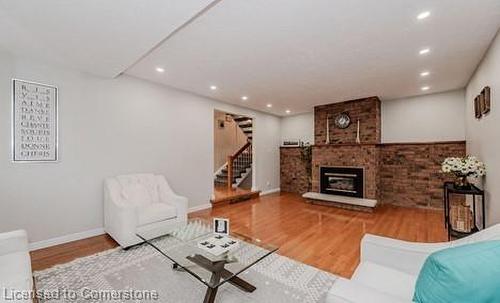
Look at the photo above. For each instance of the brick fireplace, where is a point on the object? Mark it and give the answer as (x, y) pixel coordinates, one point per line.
(362, 156)
(343, 151)
(405, 174)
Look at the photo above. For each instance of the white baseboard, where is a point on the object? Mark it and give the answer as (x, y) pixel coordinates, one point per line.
(271, 191)
(66, 239)
(199, 207)
(89, 233)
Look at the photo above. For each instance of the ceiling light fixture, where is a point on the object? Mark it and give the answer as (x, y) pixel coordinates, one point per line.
(287, 111)
(424, 74)
(424, 88)
(213, 87)
(160, 69)
(269, 105)
(244, 98)
(423, 15)
(424, 51)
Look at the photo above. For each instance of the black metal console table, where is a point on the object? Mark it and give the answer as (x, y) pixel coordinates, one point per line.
(450, 188)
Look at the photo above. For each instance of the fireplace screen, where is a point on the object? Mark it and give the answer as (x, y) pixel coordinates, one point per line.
(341, 182)
(344, 181)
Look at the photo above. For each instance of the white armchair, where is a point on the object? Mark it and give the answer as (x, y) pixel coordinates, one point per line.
(141, 203)
(15, 266)
(389, 268)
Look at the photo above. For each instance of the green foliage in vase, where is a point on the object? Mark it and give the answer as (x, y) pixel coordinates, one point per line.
(306, 157)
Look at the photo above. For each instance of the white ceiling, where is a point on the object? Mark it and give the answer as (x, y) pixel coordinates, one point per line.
(102, 37)
(292, 53)
(299, 53)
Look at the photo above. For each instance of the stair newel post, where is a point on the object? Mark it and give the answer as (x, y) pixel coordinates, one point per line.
(230, 172)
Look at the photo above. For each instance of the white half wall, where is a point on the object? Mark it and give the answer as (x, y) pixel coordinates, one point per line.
(110, 127)
(483, 136)
(298, 127)
(434, 117)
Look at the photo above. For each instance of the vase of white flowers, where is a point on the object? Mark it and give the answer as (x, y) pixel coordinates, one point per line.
(463, 168)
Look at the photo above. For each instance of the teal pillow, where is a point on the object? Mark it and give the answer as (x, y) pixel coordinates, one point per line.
(468, 273)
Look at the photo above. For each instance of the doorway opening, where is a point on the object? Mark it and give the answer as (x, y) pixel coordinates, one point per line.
(233, 157)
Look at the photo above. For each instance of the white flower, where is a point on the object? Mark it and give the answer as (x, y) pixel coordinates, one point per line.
(467, 166)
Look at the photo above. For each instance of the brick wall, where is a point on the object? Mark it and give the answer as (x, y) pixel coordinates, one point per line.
(400, 174)
(409, 173)
(293, 171)
(367, 110)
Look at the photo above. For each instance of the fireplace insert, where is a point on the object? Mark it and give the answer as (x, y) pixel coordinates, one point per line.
(344, 181)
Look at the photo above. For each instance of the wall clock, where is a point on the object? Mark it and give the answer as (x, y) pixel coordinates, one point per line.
(342, 121)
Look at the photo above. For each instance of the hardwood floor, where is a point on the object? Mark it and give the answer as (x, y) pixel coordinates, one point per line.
(325, 237)
(60, 254)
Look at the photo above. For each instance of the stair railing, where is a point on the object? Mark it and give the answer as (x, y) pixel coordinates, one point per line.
(236, 161)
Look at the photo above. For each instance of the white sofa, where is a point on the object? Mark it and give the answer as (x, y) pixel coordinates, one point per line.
(389, 268)
(15, 266)
(141, 203)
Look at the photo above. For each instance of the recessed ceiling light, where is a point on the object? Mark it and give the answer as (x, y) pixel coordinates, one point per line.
(269, 105)
(244, 98)
(160, 69)
(213, 87)
(287, 111)
(424, 74)
(423, 15)
(424, 51)
(424, 88)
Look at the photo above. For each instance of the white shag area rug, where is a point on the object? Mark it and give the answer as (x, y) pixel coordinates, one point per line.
(141, 274)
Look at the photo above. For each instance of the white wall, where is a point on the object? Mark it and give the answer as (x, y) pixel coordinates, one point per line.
(435, 117)
(110, 127)
(483, 136)
(298, 127)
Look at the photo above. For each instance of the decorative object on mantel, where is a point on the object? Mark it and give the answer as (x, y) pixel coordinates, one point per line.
(482, 103)
(462, 168)
(343, 120)
(327, 141)
(306, 157)
(358, 140)
(291, 143)
(34, 122)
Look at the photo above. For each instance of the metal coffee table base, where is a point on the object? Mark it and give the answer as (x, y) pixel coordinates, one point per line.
(218, 272)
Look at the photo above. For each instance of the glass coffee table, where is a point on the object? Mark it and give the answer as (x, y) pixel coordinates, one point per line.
(181, 246)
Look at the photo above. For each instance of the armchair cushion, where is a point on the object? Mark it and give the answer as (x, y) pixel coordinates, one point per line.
(15, 267)
(143, 201)
(467, 273)
(387, 280)
(155, 212)
(137, 195)
(149, 181)
(14, 241)
(345, 291)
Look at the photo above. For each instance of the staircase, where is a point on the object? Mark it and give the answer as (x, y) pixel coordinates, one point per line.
(245, 124)
(239, 165)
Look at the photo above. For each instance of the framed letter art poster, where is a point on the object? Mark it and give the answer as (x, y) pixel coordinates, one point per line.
(34, 122)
